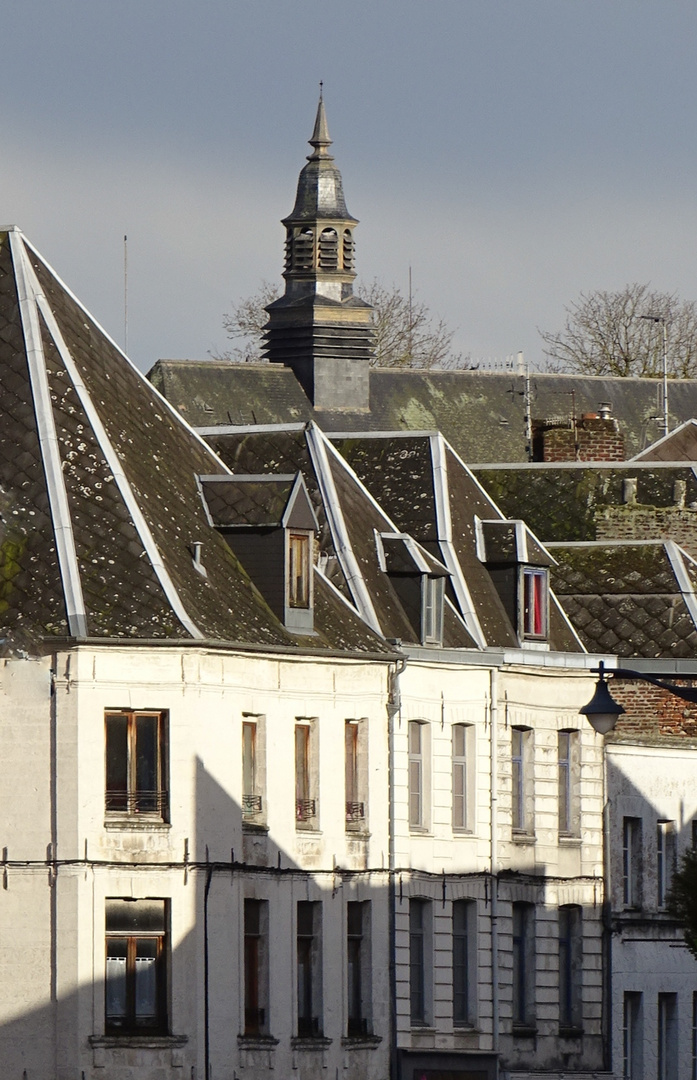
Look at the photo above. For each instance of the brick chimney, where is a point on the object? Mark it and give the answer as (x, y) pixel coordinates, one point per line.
(595, 437)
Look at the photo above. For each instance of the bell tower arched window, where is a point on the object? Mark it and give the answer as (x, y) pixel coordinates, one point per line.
(303, 250)
(328, 250)
(348, 250)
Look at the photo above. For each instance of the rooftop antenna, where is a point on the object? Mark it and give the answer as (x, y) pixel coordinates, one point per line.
(125, 295)
(321, 89)
(411, 325)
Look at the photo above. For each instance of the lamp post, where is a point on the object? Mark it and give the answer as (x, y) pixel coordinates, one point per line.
(661, 319)
(603, 712)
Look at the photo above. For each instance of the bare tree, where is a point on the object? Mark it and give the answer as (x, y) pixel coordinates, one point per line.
(605, 334)
(406, 334)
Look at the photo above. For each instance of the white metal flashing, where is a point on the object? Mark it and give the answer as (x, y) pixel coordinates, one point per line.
(335, 517)
(247, 429)
(444, 529)
(111, 457)
(151, 388)
(298, 486)
(48, 441)
(676, 556)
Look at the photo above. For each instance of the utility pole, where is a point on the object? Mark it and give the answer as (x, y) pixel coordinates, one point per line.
(662, 320)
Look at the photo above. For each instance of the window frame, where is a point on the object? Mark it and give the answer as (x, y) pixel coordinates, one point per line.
(667, 1037)
(464, 961)
(256, 967)
(358, 969)
(254, 771)
(432, 605)
(308, 943)
(666, 859)
(420, 951)
(523, 971)
(632, 862)
(299, 558)
(569, 778)
(462, 765)
(533, 614)
(131, 801)
(419, 796)
(570, 918)
(632, 1035)
(522, 783)
(130, 1026)
(356, 773)
(306, 773)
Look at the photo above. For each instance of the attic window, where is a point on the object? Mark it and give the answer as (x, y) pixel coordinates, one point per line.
(432, 589)
(535, 607)
(299, 570)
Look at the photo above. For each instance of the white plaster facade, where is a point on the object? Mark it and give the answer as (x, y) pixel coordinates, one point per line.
(439, 864)
(63, 858)
(654, 976)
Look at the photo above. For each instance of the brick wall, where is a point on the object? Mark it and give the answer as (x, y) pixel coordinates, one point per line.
(590, 439)
(653, 712)
(633, 522)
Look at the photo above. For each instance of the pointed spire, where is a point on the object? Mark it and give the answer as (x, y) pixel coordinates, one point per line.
(320, 136)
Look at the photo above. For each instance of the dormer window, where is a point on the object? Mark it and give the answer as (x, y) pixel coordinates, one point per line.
(268, 521)
(535, 603)
(432, 591)
(299, 565)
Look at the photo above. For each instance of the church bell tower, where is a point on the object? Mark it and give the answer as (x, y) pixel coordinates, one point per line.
(318, 327)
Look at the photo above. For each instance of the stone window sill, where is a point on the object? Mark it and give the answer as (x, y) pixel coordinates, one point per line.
(569, 841)
(361, 1042)
(136, 824)
(144, 1042)
(257, 1042)
(255, 827)
(524, 1031)
(570, 1032)
(523, 838)
(313, 1043)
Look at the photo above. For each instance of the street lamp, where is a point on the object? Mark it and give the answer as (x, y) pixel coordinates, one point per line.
(603, 712)
(661, 319)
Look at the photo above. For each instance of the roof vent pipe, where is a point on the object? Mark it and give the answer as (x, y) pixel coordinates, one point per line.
(605, 410)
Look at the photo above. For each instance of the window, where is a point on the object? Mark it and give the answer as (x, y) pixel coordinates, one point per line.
(633, 1037)
(256, 914)
(305, 775)
(355, 774)
(463, 795)
(419, 791)
(136, 967)
(358, 967)
(631, 862)
(303, 250)
(419, 956)
(523, 965)
(299, 570)
(136, 766)
(535, 603)
(570, 966)
(665, 863)
(432, 591)
(569, 767)
(309, 970)
(253, 769)
(521, 778)
(464, 961)
(667, 1036)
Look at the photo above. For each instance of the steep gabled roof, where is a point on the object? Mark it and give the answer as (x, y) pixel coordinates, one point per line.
(678, 445)
(351, 521)
(99, 498)
(429, 491)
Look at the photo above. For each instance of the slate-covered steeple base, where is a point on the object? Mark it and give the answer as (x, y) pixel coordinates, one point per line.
(318, 327)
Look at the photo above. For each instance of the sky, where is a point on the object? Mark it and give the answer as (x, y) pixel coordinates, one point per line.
(513, 153)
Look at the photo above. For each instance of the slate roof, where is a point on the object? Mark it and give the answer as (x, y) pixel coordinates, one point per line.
(431, 494)
(99, 499)
(481, 414)
(630, 599)
(348, 516)
(562, 502)
(678, 445)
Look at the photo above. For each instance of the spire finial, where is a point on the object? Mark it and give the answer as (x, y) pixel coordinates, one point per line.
(320, 136)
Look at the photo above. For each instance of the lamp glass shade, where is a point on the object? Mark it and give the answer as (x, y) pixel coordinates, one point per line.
(602, 711)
